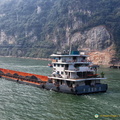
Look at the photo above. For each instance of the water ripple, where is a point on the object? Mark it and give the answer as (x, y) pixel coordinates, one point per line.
(23, 102)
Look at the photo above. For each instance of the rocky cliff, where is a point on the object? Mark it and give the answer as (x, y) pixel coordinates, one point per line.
(97, 42)
(37, 28)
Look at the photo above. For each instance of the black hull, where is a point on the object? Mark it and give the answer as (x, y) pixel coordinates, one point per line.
(79, 90)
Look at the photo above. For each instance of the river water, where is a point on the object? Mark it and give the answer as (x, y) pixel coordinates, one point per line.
(24, 102)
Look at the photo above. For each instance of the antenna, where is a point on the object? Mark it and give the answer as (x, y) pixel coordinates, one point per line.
(70, 45)
(70, 48)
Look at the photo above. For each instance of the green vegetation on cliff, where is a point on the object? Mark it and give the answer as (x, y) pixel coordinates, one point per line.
(39, 26)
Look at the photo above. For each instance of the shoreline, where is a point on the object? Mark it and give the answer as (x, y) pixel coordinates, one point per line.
(47, 59)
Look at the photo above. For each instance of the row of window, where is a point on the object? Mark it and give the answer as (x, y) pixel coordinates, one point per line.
(76, 65)
(92, 89)
(58, 65)
(59, 72)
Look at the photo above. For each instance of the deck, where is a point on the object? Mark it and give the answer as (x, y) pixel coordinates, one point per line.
(115, 66)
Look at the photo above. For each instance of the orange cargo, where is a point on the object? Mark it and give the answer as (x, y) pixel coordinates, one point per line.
(41, 77)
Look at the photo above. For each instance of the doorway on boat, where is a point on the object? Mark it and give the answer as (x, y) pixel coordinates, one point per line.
(82, 74)
(70, 83)
(74, 58)
(66, 67)
(88, 82)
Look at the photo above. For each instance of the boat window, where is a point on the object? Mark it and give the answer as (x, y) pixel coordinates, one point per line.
(58, 65)
(74, 58)
(86, 64)
(62, 65)
(59, 58)
(66, 67)
(57, 72)
(54, 64)
(77, 65)
(84, 58)
(69, 83)
(82, 74)
(88, 82)
(61, 72)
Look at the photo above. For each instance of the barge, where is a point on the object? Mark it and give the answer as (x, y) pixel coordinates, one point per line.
(72, 73)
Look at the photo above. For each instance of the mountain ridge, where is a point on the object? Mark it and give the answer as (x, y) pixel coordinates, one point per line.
(37, 28)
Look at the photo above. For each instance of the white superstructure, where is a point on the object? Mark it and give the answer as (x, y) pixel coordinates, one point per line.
(73, 70)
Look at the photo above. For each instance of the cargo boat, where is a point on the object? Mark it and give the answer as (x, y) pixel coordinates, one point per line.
(72, 73)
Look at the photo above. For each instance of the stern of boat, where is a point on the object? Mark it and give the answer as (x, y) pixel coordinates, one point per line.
(87, 89)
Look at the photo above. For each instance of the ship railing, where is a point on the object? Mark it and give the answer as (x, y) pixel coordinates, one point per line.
(84, 61)
(55, 75)
(91, 76)
(75, 69)
(70, 61)
(80, 69)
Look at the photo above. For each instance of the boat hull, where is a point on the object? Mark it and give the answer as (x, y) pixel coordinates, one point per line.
(87, 89)
(42, 82)
(79, 90)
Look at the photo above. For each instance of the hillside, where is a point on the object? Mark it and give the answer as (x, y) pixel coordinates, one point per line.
(37, 28)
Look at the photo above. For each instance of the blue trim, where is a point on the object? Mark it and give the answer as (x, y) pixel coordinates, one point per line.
(91, 89)
(74, 53)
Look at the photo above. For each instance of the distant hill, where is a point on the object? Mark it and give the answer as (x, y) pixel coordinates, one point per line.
(37, 28)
